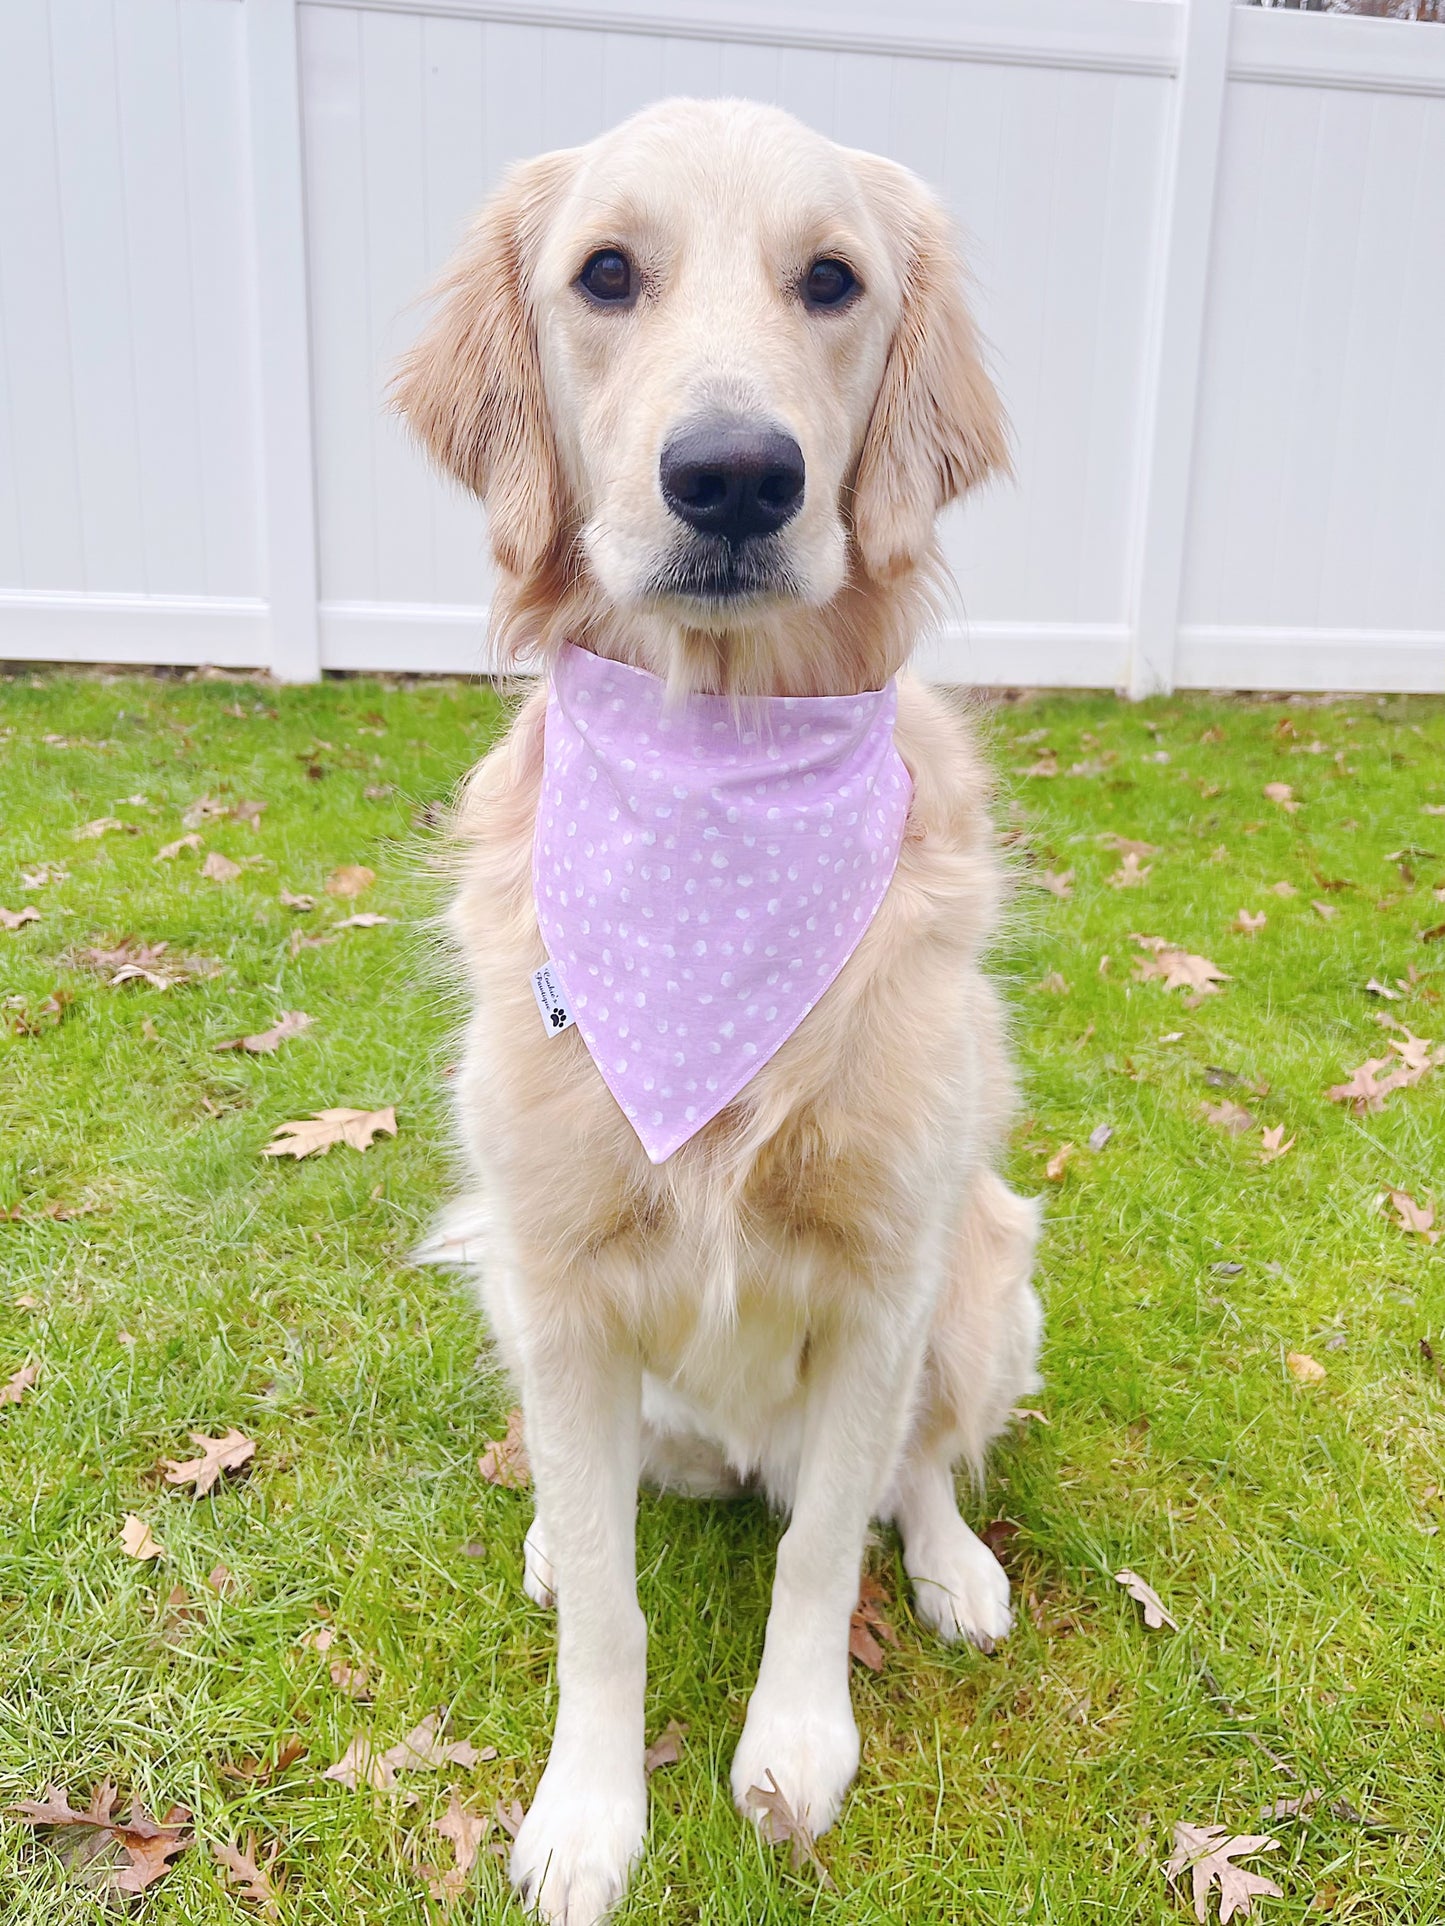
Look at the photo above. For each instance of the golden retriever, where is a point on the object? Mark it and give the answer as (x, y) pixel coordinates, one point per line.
(825, 1291)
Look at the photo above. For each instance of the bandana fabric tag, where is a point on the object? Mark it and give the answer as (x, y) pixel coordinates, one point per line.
(556, 1017)
(702, 872)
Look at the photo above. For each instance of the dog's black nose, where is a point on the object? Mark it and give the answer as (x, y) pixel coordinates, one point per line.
(729, 479)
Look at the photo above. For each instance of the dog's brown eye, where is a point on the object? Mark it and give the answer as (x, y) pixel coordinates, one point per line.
(607, 276)
(828, 284)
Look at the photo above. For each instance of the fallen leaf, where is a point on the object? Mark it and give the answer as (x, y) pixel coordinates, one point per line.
(1283, 889)
(290, 899)
(1054, 984)
(779, 1822)
(1100, 1135)
(1054, 1168)
(1433, 935)
(1432, 809)
(205, 809)
(1303, 1368)
(504, 1461)
(316, 1135)
(1326, 911)
(1130, 874)
(1376, 988)
(1026, 1414)
(1373, 1081)
(136, 1540)
(228, 1453)
(1299, 1808)
(149, 1845)
(219, 868)
(43, 875)
(868, 1624)
(102, 826)
(1127, 845)
(291, 1024)
(1060, 884)
(367, 920)
(170, 850)
(1229, 1116)
(1205, 1853)
(55, 1808)
(1281, 793)
(1418, 1219)
(1273, 1145)
(246, 1874)
(466, 1831)
(1247, 923)
(320, 1639)
(1047, 765)
(425, 1750)
(351, 879)
(17, 919)
(353, 1680)
(221, 1581)
(666, 1748)
(361, 1765)
(249, 813)
(510, 1817)
(1176, 968)
(21, 1381)
(1155, 1616)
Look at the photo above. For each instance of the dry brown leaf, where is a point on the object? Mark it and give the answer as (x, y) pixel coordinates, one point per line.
(43, 875)
(1155, 1616)
(1283, 889)
(1273, 1144)
(290, 1024)
(1130, 874)
(367, 920)
(19, 1382)
(778, 1822)
(247, 1875)
(1205, 1853)
(868, 1624)
(1059, 884)
(666, 1748)
(1418, 1219)
(353, 1680)
(1047, 765)
(315, 1135)
(1128, 845)
(504, 1462)
(1376, 988)
(55, 1808)
(466, 1831)
(222, 1581)
(320, 1639)
(1177, 969)
(219, 868)
(149, 1844)
(1373, 1081)
(361, 1765)
(1281, 793)
(228, 1453)
(424, 1749)
(168, 851)
(17, 919)
(136, 1540)
(1303, 1368)
(1248, 923)
(290, 899)
(1055, 1167)
(102, 826)
(509, 1817)
(350, 879)
(1229, 1116)
(1325, 911)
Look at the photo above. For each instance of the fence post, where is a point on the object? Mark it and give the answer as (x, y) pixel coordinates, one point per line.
(1172, 395)
(288, 471)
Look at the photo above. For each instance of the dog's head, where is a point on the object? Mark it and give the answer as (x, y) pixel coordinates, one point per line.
(713, 364)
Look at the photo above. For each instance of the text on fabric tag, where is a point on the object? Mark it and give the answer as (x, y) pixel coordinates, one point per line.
(550, 1000)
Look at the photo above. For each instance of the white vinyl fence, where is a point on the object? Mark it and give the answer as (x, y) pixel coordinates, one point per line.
(1209, 243)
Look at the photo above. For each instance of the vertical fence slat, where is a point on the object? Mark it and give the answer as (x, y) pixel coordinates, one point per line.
(284, 333)
(1168, 453)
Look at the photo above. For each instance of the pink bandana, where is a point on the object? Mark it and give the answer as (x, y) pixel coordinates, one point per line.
(702, 876)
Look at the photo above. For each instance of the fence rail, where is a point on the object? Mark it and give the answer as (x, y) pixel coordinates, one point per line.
(1207, 239)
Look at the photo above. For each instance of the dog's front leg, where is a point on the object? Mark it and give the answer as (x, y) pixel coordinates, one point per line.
(581, 1405)
(800, 1725)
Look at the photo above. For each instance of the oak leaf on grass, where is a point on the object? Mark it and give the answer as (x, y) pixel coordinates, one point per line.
(17, 919)
(136, 1540)
(1229, 1116)
(290, 1024)
(1303, 1368)
(779, 1823)
(504, 1461)
(1416, 1218)
(169, 851)
(220, 869)
(366, 920)
(1206, 1853)
(466, 1831)
(666, 1748)
(149, 1844)
(19, 1382)
(868, 1624)
(1281, 793)
(315, 1135)
(1059, 884)
(1248, 923)
(246, 1874)
(1155, 1615)
(228, 1453)
(1130, 874)
(350, 879)
(1177, 969)
(1273, 1144)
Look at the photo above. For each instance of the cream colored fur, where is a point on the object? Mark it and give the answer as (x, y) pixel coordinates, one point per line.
(826, 1291)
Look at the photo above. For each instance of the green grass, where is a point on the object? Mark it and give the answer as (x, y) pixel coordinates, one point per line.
(1289, 1527)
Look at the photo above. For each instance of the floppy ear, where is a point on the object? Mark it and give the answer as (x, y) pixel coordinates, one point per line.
(471, 387)
(937, 426)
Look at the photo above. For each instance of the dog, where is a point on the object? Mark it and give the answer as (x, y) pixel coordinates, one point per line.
(714, 377)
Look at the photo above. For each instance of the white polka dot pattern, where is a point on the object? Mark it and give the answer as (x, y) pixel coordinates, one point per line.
(702, 874)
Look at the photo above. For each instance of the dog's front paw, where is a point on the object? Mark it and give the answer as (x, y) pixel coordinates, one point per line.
(959, 1588)
(577, 1844)
(811, 1753)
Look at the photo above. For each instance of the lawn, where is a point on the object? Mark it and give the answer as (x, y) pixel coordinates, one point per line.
(166, 1278)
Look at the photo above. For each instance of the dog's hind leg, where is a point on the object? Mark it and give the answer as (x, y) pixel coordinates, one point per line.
(981, 1356)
